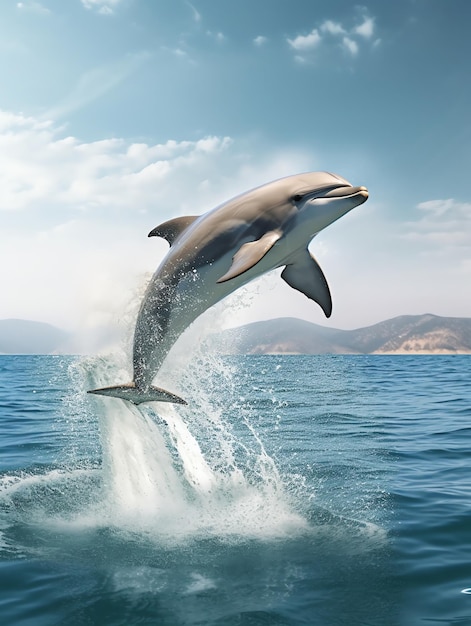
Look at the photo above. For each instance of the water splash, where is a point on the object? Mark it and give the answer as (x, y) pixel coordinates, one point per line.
(180, 472)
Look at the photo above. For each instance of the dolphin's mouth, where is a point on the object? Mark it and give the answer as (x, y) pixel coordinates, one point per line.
(343, 192)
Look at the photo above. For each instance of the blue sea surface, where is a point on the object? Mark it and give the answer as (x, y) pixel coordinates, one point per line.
(293, 490)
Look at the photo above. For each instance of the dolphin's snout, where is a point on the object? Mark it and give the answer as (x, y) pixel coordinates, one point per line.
(342, 192)
(363, 191)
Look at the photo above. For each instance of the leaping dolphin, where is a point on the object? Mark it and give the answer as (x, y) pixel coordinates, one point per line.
(214, 254)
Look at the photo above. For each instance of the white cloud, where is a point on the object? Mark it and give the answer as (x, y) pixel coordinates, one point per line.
(305, 42)
(260, 40)
(104, 7)
(33, 7)
(366, 28)
(39, 167)
(179, 52)
(333, 28)
(219, 37)
(75, 215)
(444, 223)
(350, 45)
(332, 33)
(438, 258)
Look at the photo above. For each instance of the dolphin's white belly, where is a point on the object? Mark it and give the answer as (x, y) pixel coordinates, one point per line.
(194, 294)
(200, 290)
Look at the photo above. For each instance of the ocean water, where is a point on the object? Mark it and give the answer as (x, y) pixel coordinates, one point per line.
(293, 490)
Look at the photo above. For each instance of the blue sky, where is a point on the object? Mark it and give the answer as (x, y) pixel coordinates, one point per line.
(116, 115)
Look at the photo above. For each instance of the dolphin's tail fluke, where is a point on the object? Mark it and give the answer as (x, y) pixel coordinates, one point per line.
(136, 395)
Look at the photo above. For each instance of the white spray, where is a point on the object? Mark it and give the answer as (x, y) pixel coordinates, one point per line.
(182, 471)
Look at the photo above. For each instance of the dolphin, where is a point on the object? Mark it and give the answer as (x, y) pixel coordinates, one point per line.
(214, 254)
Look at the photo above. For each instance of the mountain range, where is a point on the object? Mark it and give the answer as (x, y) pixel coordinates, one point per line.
(406, 334)
(27, 337)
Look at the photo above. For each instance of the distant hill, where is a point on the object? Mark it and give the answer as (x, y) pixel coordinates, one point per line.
(26, 337)
(407, 334)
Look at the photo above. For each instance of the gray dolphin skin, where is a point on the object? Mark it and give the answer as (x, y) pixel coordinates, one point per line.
(214, 254)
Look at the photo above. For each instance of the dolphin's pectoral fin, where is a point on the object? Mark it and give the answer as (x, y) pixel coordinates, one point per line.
(173, 228)
(135, 395)
(250, 254)
(304, 274)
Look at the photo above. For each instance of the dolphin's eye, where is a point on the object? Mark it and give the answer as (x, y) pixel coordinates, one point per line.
(297, 197)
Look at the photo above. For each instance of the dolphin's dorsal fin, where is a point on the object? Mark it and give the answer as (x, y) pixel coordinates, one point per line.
(250, 254)
(304, 274)
(171, 229)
